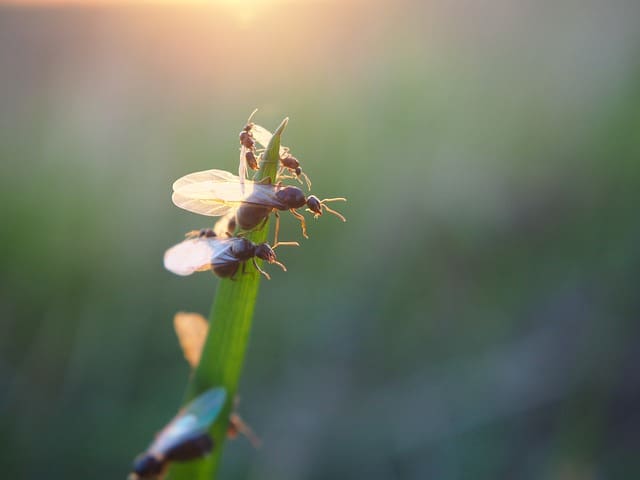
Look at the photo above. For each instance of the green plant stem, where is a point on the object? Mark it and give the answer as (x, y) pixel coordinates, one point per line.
(230, 325)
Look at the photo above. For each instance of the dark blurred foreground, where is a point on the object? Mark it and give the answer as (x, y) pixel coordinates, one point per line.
(477, 317)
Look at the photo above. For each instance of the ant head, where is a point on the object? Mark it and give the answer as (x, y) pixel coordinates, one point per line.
(146, 466)
(266, 253)
(292, 197)
(298, 171)
(314, 205)
(317, 206)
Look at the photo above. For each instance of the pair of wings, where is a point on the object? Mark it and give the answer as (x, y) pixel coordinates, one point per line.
(216, 192)
(192, 420)
(200, 254)
(262, 136)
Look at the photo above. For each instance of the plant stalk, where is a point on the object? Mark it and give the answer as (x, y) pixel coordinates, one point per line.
(226, 344)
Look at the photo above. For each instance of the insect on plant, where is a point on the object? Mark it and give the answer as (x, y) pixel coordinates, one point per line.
(248, 157)
(222, 255)
(191, 330)
(216, 192)
(288, 162)
(185, 438)
(244, 207)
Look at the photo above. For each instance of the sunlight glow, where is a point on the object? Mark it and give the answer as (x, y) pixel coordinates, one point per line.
(244, 3)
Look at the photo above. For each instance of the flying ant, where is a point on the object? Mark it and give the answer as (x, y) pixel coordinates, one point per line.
(216, 192)
(288, 161)
(185, 438)
(223, 256)
(248, 157)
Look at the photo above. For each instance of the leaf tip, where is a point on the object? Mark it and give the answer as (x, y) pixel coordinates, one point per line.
(281, 127)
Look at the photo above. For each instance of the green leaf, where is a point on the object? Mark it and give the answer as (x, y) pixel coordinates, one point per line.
(230, 325)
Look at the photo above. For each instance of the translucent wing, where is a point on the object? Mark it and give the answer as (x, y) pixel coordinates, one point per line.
(242, 166)
(194, 419)
(210, 208)
(214, 176)
(198, 254)
(216, 193)
(191, 329)
(263, 137)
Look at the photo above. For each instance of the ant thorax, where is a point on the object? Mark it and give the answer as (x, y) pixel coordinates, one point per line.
(243, 249)
(292, 197)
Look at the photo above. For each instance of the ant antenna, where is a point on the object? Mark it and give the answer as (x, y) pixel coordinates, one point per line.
(251, 116)
(330, 210)
(280, 264)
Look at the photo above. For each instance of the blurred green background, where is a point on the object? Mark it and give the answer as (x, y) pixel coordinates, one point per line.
(476, 317)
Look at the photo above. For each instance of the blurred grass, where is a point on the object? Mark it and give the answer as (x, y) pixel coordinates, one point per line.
(476, 314)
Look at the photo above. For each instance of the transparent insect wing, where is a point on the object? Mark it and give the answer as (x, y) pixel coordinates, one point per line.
(216, 193)
(242, 167)
(191, 329)
(208, 207)
(263, 137)
(214, 176)
(197, 254)
(193, 420)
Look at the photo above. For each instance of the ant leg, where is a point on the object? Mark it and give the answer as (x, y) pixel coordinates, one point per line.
(276, 243)
(277, 229)
(303, 223)
(244, 268)
(255, 264)
(237, 425)
(306, 179)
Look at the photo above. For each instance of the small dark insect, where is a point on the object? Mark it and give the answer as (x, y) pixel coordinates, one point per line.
(185, 438)
(247, 148)
(223, 256)
(216, 192)
(263, 136)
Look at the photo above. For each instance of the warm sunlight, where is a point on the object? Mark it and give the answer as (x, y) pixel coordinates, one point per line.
(136, 2)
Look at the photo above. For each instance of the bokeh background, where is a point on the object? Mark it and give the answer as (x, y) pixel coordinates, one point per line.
(477, 317)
